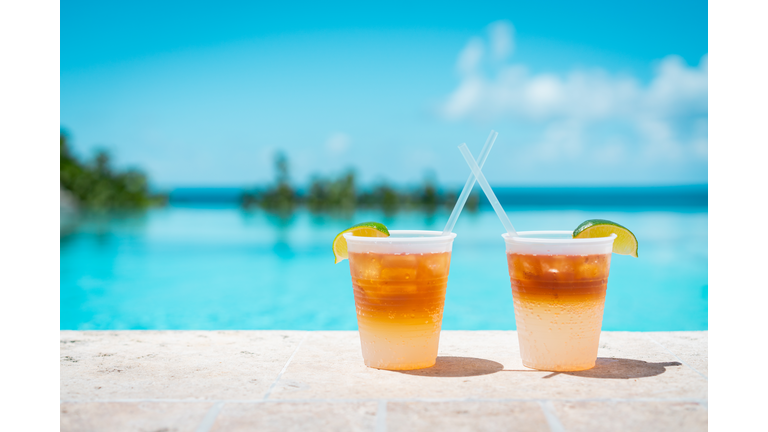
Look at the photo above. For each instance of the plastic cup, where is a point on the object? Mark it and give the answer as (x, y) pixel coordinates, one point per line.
(399, 283)
(558, 287)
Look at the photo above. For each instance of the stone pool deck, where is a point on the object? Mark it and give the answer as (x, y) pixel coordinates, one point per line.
(200, 381)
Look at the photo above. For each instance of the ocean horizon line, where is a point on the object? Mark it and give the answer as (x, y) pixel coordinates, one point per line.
(695, 195)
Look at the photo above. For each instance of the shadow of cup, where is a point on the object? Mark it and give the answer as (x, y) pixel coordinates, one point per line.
(620, 368)
(457, 367)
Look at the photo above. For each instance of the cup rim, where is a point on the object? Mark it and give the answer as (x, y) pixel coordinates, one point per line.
(521, 239)
(431, 236)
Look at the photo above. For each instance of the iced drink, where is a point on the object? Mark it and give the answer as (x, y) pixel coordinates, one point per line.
(558, 287)
(399, 284)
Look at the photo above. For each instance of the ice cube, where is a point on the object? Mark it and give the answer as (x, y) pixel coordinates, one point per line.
(399, 261)
(399, 267)
(398, 274)
(433, 266)
(591, 268)
(365, 266)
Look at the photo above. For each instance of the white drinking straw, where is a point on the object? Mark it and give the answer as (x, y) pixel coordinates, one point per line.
(470, 183)
(487, 189)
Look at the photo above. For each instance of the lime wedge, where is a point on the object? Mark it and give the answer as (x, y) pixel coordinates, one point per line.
(625, 243)
(365, 229)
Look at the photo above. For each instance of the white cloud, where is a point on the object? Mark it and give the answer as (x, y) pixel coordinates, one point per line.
(501, 35)
(470, 56)
(337, 143)
(468, 94)
(678, 89)
(666, 118)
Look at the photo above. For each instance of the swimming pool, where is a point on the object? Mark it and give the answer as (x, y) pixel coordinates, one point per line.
(212, 268)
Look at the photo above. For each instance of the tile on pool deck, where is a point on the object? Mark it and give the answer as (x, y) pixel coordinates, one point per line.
(467, 369)
(132, 416)
(292, 380)
(296, 416)
(632, 416)
(466, 416)
(117, 365)
(689, 347)
(487, 364)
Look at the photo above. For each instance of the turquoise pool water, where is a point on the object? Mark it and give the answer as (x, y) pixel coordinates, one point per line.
(222, 268)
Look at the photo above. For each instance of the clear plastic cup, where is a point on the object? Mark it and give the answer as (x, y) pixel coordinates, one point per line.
(399, 283)
(558, 286)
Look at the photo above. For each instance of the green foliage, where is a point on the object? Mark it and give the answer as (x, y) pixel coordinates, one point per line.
(340, 195)
(280, 198)
(97, 186)
(386, 198)
(329, 195)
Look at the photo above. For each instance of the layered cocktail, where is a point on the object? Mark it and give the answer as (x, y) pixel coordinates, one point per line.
(399, 284)
(558, 286)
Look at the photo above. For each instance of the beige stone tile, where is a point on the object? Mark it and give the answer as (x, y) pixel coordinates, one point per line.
(465, 416)
(629, 365)
(296, 416)
(119, 365)
(330, 365)
(691, 347)
(486, 364)
(631, 416)
(132, 416)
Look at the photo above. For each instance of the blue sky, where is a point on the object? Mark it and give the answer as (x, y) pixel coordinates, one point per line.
(594, 93)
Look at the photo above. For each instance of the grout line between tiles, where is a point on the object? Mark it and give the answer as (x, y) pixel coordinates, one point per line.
(280, 375)
(552, 419)
(381, 416)
(429, 400)
(210, 418)
(678, 358)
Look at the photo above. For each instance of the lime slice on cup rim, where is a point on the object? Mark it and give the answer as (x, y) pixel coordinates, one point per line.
(625, 242)
(365, 229)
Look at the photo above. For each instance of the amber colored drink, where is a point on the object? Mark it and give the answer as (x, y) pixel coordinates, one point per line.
(559, 295)
(399, 297)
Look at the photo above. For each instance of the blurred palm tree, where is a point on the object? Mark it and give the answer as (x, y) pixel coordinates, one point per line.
(281, 198)
(96, 185)
(329, 195)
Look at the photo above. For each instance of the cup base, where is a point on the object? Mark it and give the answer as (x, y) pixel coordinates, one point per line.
(559, 368)
(399, 346)
(400, 367)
